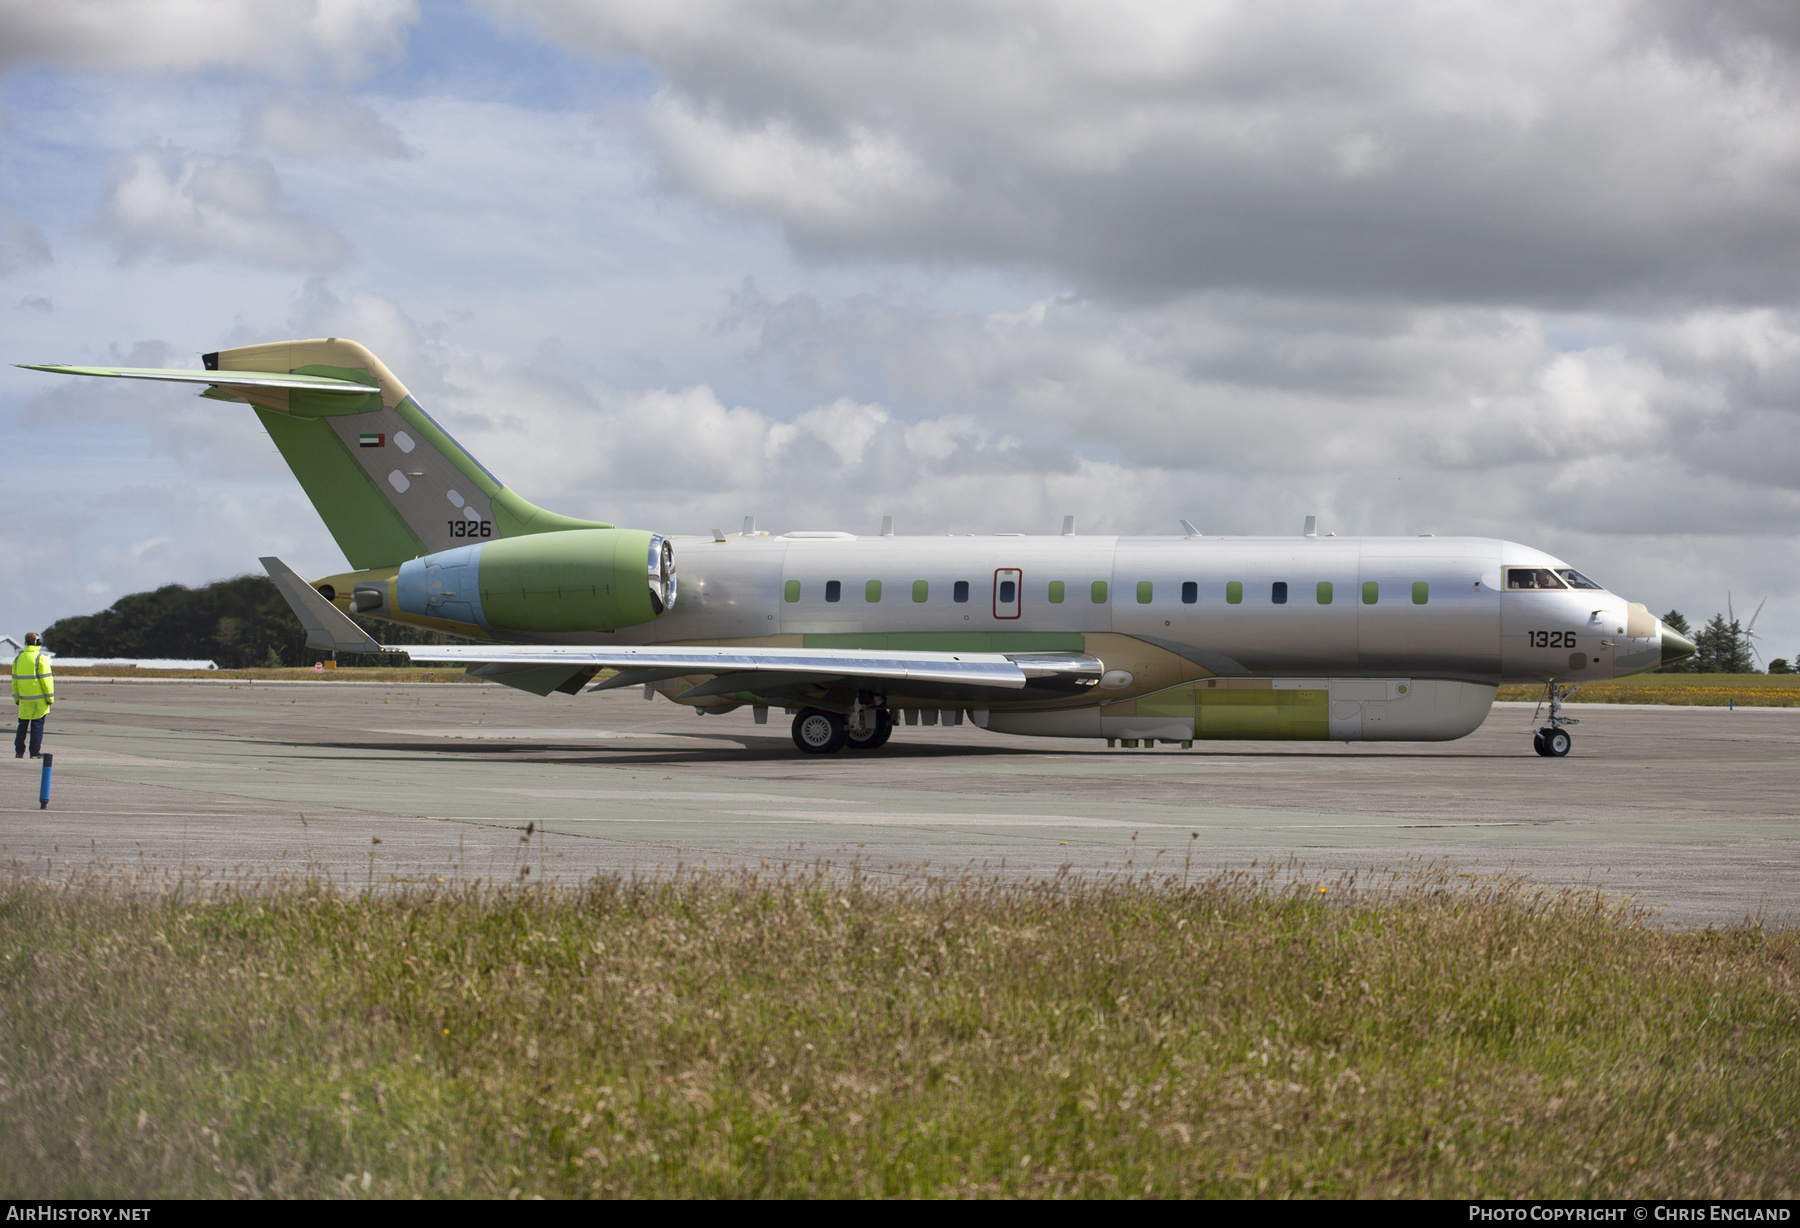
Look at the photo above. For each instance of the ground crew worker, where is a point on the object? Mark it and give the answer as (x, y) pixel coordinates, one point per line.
(34, 691)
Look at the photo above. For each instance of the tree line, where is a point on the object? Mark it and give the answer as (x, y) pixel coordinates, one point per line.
(1723, 646)
(238, 623)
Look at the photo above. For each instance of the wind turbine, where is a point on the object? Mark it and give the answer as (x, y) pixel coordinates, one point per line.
(1749, 631)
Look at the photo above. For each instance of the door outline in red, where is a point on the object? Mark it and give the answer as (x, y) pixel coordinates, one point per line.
(1018, 604)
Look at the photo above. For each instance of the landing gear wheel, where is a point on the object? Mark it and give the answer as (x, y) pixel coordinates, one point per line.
(1557, 743)
(818, 732)
(876, 738)
(1537, 743)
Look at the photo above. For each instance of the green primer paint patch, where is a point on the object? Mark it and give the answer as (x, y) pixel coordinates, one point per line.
(583, 580)
(1056, 592)
(362, 521)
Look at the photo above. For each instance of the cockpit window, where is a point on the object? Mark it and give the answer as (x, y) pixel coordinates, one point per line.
(1522, 578)
(1575, 579)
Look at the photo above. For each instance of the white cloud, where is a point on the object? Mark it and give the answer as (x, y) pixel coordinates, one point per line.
(279, 38)
(190, 206)
(330, 127)
(1533, 151)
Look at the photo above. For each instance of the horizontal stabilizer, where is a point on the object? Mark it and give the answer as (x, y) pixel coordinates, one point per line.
(225, 379)
(327, 627)
(967, 668)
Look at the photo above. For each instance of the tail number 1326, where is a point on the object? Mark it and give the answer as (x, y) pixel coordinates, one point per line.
(1552, 639)
(471, 528)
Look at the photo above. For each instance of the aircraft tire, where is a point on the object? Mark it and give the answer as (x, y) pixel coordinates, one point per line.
(884, 729)
(818, 732)
(1537, 743)
(1557, 743)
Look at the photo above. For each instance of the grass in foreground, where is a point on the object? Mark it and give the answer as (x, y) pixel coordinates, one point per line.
(1716, 690)
(733, 1035)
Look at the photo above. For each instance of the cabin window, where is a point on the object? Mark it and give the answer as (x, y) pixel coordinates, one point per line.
(1324, 592)
(834, 591)
(921, 591)
(1190, 592)
(1278, 592)
(1421, 592)
(960, 592)
(1146, 590)
(1099, 592)
(1234, 593)
(1056, 592)
(1522, 579)
(1371, 592)
(792, 590)
(1009, 591)
(1574, 579)
(872, 591)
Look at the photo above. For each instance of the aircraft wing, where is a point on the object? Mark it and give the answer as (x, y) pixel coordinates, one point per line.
(272, 380)
(739, 669)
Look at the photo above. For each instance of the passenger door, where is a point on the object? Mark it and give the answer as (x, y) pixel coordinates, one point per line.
(1009, 589)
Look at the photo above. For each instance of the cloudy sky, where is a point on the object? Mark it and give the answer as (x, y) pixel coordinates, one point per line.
(1516, 269)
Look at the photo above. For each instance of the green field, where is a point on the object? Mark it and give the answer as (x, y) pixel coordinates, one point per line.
(1743, 690)
(742, 1036)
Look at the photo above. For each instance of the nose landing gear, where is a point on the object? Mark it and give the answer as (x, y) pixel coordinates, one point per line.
(1552, 743)
(1552, 740)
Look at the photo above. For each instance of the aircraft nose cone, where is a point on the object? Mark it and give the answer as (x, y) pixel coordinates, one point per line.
(1676, 647)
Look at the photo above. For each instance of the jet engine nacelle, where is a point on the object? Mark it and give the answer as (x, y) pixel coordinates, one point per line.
(575, 580)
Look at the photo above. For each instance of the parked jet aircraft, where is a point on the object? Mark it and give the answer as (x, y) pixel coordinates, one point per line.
(1132, 639)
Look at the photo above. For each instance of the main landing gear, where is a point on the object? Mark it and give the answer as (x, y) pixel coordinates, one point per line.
(1552, 740)
(867, 727)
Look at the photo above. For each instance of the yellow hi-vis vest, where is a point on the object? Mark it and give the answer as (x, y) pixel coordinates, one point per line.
(33, 687)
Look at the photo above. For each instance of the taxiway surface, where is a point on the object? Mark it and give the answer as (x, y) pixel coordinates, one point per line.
(1694, 810)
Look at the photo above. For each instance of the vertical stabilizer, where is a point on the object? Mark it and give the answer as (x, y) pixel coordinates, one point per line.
(389, 482)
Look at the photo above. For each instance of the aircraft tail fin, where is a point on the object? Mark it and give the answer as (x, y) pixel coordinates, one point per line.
(389, 482)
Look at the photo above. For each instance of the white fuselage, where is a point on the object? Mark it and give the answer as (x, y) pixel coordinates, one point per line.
(1461, 625)
(1396, 638)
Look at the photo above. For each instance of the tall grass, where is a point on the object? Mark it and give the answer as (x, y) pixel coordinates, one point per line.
(1710, 690)
(745, 1034)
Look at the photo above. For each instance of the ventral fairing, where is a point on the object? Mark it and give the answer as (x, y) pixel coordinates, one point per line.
(1136, 640)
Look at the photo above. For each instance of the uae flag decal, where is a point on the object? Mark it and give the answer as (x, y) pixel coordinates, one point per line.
(374, 441)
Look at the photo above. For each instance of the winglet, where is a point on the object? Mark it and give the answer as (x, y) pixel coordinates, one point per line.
(327, 627)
